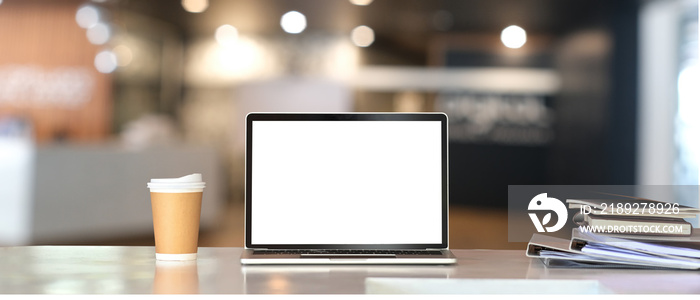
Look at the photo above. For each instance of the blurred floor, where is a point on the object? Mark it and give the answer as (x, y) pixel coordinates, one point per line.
(470, 228)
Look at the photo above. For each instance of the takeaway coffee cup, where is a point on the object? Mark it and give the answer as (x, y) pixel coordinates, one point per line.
(176, 204)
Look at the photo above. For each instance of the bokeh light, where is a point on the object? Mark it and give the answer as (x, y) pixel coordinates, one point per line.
(195, 6)
(362, 36)
(293, 22)
(226, 35)
(106, 62)
(87, 16)
(124, 55)
(361, 2)
(513, 37)
(99, 34)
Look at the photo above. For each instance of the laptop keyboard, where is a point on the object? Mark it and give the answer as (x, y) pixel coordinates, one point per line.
(348, 251)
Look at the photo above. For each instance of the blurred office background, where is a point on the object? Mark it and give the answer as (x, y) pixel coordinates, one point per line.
(96, 97)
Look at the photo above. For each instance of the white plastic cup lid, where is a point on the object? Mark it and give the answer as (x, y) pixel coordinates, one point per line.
(192, 181)
(192, 178)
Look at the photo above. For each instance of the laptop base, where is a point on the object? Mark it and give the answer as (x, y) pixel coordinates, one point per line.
(249, 258)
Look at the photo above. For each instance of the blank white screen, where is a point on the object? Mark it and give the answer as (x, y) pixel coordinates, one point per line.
(346, 182)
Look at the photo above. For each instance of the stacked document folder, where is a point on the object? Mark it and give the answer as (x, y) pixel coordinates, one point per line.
(586, 249)
(632, 233)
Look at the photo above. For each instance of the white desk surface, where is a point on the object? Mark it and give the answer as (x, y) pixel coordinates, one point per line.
(133, 270)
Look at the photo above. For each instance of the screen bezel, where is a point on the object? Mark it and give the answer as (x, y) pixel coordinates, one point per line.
(252, 117)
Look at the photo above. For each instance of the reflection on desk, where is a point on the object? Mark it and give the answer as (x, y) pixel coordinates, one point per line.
(134, 270)
(316, 278)
(176, 277)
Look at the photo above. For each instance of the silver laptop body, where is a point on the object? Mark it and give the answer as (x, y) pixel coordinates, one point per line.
(354, 188)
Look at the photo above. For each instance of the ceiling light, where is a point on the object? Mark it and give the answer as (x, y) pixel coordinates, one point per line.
(195, 6)
(513, 37)
(362, 36)
(226, 35)
(293, 22)
(361, 2)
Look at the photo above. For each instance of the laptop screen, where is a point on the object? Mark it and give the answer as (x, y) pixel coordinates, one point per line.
(346, 180)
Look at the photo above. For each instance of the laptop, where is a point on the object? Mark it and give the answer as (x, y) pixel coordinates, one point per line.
(351, 188)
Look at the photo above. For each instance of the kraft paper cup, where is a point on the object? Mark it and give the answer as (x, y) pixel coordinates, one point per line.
(176, 204)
